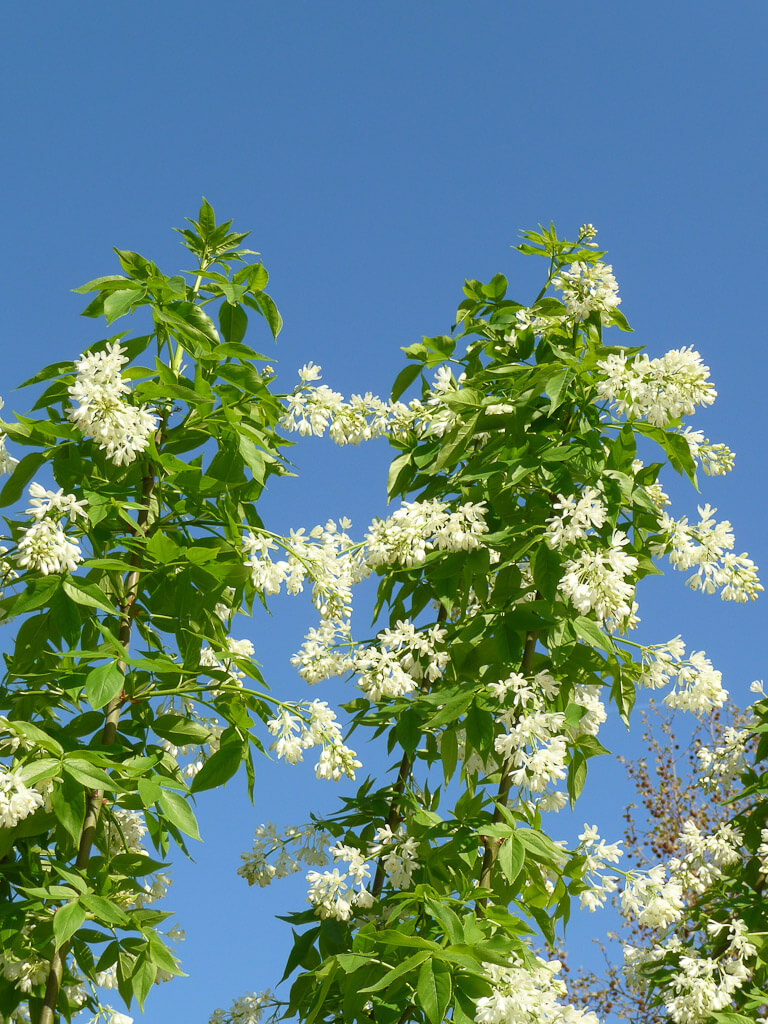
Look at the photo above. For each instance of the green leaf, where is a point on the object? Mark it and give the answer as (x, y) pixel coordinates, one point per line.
(302, 944)
(103, 909)
(179, 813)
(86, 594)
(119, 302)
(233, 321)
(22, 474)
(90, 775)
(546, 571)
(143, 978)
(557, 387)
(219, 768)
(268, 310)
(434, 990)
(68, 802)
(589, 630)
(404, 379)
(405, 967)
(577, 775)
(206, 220)
(66, 921)
(39, 769)
(103, 683)
(180, 730)
(33, 734)
(511, 858)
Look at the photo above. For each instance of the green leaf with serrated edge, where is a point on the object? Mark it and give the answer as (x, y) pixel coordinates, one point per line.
(577, 776)
(66, 921)
(264, 304)
(434, 989)
(219, 768)
(302, 944)
(103, 683)
(179, 813)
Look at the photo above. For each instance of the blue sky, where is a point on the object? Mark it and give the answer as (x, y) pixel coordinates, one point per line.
(381, 153)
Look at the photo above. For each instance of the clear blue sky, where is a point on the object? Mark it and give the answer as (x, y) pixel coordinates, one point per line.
(381, 153)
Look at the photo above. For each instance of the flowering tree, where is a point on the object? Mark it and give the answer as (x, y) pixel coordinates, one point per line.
(125, 691)
(507, 581)
(683, 789)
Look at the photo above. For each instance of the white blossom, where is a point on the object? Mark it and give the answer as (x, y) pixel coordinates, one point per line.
(122, 430)
(527, 995)
(657, 390)
(707, 547)
(597, 581)
(578, 514)
(418, 527)
(588, 287)
(17, 801)
(45, 547)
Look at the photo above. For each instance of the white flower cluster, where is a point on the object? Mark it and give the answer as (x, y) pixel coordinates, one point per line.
(654, 900)
(534, 741)
(698, 686)
(325, 652)
(523, 995)
(596, 581)
(588, 287)
(332, 893)
(313, 410)
(17, 801)
(401, 657)
(121, 429)
(715, 459)
(214, 659)
(701, 985)
(44, 546)
(762, 851)
(124, 831)
(706, 856)
(707, 547)
(276, 855)
(398, 852)
(294, 736)
(721, 765)
(327, 556)
(657, 390)
(578, 514)
(418, 527)
(597, 854)
(25, 972)
(247, 1009)
(7, 462)
(329, 891)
